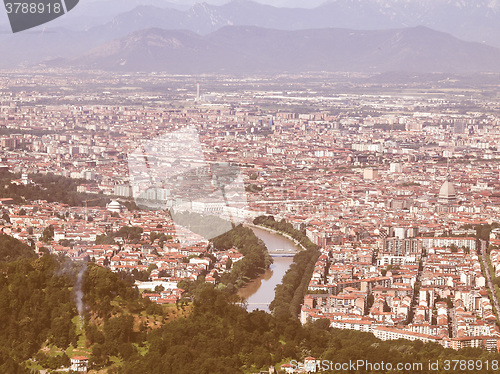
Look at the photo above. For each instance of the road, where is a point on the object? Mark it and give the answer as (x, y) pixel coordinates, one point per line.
(414, 300)
(488, 276)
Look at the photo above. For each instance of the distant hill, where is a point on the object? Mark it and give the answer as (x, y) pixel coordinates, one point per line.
(246, 49)
(12, 249)
(96, 22)
(94, 13)
(472, 20)
(203, 18)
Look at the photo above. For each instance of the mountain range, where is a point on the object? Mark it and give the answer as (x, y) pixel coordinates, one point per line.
(249, 49)
(244, 36)
(471, 20)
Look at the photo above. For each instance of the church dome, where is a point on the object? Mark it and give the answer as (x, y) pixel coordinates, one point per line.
(114, 206)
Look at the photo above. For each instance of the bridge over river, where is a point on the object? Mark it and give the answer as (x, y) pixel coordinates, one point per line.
(260, 292)
(279, 252)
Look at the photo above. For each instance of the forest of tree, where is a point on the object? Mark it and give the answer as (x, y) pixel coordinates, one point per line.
(36, 305)
(290, 293)
(53, 188)
(483, 231)
(37, 308)
(217, 335)
(130, 234)
(221, 337)
(12, 249)
(256, 259)
(49, 187)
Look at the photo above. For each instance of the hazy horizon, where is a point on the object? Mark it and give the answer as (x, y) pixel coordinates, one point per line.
(93, 23)
(277, 3)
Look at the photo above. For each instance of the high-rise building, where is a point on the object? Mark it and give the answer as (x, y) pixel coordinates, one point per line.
(370, 173)
(395, 167)
(459, 126)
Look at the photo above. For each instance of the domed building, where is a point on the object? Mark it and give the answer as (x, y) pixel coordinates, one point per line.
(447, 194)
(447, 198)
(114, 206)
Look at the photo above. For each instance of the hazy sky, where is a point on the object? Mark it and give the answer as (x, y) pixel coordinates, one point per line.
(279, 3)
(90, 13)
(290, 3)
(110, 8)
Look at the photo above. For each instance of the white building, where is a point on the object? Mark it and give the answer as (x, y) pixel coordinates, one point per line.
(79, 364)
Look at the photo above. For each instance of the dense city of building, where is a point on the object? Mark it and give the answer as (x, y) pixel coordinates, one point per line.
(390, 185)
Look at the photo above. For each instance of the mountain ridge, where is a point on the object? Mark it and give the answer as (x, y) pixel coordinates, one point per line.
(468, 20)
(250, 49)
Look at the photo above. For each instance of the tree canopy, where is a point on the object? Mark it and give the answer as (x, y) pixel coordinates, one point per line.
(12, 249)
(256, 259)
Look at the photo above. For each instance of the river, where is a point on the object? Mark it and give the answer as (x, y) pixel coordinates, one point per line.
(260, 292)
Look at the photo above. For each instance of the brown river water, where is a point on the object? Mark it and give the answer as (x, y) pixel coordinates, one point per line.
(260, 292)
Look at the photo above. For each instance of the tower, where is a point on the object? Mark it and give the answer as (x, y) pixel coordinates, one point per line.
(459, 126)
(447, 194)
(197, 92)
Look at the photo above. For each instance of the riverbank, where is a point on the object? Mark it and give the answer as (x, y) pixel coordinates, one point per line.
(260, 292)
(289, 295)
(255, 261)
(295, 241)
